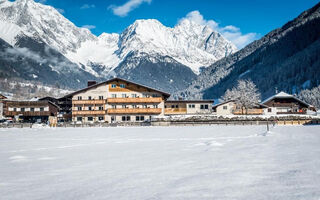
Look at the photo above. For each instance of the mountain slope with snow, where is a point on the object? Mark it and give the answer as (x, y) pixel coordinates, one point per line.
(40, 31)
(286, 58)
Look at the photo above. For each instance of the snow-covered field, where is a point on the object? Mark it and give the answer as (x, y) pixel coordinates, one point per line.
(209, 162)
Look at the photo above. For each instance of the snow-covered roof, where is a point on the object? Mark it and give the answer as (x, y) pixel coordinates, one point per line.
(284, 95)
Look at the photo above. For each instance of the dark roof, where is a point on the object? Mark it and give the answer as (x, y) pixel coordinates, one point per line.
(191, 101)
(31, 103)
(116, 79)
(2, 96)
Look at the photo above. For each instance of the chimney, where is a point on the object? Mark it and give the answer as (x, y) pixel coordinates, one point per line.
(90, 83)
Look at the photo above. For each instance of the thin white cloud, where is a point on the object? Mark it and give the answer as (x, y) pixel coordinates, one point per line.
(42, 1)
(130, 5)
(87, 6)
(89, 27)
(60, 10)
(230, 32)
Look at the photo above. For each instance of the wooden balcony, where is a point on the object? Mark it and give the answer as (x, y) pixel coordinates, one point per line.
(134, 111)
(88, 112)
(248, 112)
(90, 102)
(175, 111)
(135, 100)
(27, 113)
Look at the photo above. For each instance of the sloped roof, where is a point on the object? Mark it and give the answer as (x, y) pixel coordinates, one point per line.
(117, 79)
(283, 95)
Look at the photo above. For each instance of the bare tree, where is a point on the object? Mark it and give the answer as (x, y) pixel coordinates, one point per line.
(245, 95)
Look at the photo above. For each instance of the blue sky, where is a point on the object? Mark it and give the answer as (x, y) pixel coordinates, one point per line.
(241, 21)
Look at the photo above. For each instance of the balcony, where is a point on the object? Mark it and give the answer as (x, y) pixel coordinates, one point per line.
(134, 111)
(91, 102)
(88, 112)
(175, 111)
(248, 112)
(27, 113)
(135, 100)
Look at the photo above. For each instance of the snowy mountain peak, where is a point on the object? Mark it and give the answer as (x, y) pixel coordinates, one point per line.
(189, 43)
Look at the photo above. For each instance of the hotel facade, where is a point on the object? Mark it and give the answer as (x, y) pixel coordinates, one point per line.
(120, 100)
(117, 100)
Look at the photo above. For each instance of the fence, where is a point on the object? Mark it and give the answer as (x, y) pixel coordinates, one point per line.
(173, 123)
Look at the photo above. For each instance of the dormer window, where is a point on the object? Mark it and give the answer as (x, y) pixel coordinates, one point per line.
(113, 86)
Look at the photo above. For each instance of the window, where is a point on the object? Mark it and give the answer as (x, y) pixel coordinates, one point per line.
(124, 96)
(90, 119)
(23, 109)
(139, 118)
(79, 97)
(41, 109)
(32, 109)
(79, 118)
(114, 106)
(15, 109)
(155, 95)
(113, 86)
(100, 108)
(124, 106)
(177, 106)
(269, 110)
(165, 106)
(172, 106)
(134, 95)
(201, 107)
(100, 118)
(206, 106)
(144, 95)
(79, 108)
(122, 85)
(100, 97)
(192, 106)
(126, 118)
(225, 107)
(155, 106)
(114, 95)
(89, 108)
(134, 106)
(89, 97)
(144, 106)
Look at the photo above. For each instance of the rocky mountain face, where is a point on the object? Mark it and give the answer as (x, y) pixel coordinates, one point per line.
(287, 58)
(38, 43)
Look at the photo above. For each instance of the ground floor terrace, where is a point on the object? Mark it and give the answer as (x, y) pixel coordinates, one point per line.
(203, 162)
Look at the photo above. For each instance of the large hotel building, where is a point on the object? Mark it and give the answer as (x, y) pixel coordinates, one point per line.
(119, 100)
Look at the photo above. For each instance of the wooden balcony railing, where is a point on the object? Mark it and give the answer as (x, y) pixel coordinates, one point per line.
(88, 112)
(135, 100)
(248, 112)
(134, 111)
(175, 110)
(88, 102)
(27, 113)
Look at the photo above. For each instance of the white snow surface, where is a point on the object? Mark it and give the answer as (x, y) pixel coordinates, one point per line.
(207, 162)
(189, 43)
